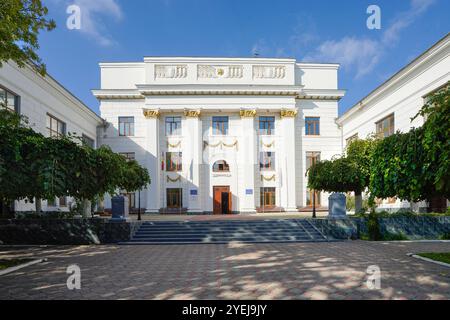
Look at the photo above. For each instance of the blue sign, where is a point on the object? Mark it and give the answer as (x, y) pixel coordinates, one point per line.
(194, 192)
(249, 191)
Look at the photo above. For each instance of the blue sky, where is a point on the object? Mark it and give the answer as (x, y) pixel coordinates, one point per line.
(313, 31)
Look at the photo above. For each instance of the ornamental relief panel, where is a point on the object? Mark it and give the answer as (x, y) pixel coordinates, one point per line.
(214, 72)
(269, 72)
(170, 71)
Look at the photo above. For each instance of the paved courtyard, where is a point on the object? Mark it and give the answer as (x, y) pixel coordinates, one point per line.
(334, 270)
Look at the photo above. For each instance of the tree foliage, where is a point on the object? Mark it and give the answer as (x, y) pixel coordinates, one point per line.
(397, 168)
(436, 139)
(338, 175)
(34, 166)
(415, 166)
(20, 24)
(349, 173)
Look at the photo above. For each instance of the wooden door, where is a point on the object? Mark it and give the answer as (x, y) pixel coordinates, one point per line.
(222, 200)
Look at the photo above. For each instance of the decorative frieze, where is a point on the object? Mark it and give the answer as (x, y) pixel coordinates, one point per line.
(149, 114)
(268, 145)
(247, 113)
(170, 179)
(192, 113)
(269, 72)
(220, 144)
(289, 113)
(173, 145)
(214, 72)
(170, 71)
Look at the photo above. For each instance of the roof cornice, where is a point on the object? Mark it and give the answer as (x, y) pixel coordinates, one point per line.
(270, 90)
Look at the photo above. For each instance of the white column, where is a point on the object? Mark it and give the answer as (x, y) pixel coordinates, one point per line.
(248, 161)
(192, 158)
(153, 162)
(288, 161)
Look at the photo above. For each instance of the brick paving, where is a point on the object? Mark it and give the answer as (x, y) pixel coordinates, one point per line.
(334, 270)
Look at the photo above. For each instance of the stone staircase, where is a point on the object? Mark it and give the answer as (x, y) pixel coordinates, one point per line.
(203, 232)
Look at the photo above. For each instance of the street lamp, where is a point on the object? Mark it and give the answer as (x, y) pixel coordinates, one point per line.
(139, 209)
(314, 204)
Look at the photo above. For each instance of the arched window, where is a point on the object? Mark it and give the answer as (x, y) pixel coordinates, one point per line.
(221, 166)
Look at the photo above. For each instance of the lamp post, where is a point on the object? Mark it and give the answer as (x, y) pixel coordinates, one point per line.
(139, 209)
(314, 204)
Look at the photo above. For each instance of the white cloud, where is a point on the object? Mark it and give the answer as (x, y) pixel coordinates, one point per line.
(392, 33)
(91, 22)
(353, 53)
(92, 14)
(362, 54)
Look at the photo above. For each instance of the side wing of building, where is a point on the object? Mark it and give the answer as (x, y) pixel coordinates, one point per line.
(391, 106)
(50, 109)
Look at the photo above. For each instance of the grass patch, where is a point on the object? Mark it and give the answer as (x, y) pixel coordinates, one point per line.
(5, 264)
(442, 257)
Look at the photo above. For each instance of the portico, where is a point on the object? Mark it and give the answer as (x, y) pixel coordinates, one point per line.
(221, 135)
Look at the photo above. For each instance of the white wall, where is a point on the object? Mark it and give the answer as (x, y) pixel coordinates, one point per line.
(291, 145)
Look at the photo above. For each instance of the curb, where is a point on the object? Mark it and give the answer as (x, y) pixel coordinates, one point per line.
(428, 260)
(21, 266)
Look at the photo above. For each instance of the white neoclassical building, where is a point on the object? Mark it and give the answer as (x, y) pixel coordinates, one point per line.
(222, 135)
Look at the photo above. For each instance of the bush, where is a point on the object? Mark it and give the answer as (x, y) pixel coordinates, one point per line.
(394, 237)
(373, 226)
(44, 215)
(445, 236)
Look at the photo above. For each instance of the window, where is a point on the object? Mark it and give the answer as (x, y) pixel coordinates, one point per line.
(311, 159)
(88, 141)
(221, 166)
(309, 198)
(174, 161)
(351, 139)
(63, 202)
(220, 126)
(267, 161)
(9, 100)
(55, 127)
(267, 126)
(174, 198)
(268, 198)
(312, 126)
(173, 126)
(386, 127)
(128, 155)
(126, 126)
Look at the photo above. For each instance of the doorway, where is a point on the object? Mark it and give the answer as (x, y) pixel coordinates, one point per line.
(222, 200)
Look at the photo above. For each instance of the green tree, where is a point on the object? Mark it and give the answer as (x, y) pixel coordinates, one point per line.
(36, 167)
(415, 166)
(436, 139)
(20, 24)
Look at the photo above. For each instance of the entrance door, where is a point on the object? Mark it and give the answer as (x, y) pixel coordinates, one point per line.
(222, 200)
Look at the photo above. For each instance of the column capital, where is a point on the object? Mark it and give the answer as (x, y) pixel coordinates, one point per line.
(151, 113)
(192, 113)
(249, 113)
(289, 113)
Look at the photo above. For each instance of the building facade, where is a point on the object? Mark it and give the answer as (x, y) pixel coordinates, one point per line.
(50, 109)
(390, 107)
(222, 135)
